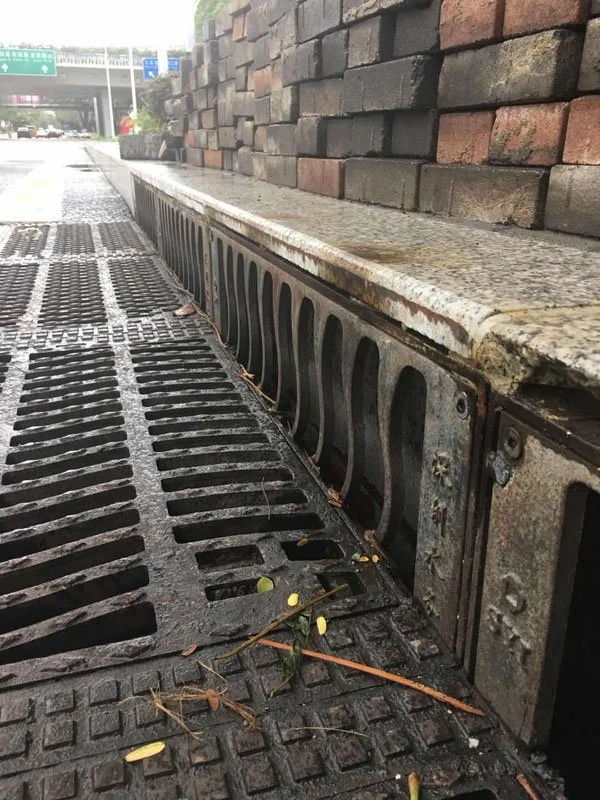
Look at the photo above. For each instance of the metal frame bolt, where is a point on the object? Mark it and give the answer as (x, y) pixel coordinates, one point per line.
(512, 443)
(462, 405)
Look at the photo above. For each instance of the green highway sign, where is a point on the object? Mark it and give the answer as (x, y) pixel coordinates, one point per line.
(22, 61)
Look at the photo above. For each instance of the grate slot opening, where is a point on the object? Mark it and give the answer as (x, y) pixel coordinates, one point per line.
(34, 453)
(235, 499)
(226, 477)
(209, 441)
(62, 565)
(185, 386)
(124, 624)
(218, 457)
(29, 494)
(232, 590)
(77, 412)
(66, 465)
(214, 411)
(75, 402)
(239, 526)
(182, 399)
(242, 556)
(330, 580)
(48, 434)
(201, 425)
(313, 550)
(81, 394)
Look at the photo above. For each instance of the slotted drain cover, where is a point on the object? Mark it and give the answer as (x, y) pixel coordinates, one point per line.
(75, 239)
(73, 295)
(26, 240)
(140, 287)
(16, 284)
(120, 236)
(4, 362)
(72, 567)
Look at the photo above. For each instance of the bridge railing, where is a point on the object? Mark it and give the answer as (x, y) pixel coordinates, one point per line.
(91, 59)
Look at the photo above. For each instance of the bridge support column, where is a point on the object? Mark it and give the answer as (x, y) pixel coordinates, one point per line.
(104, 112)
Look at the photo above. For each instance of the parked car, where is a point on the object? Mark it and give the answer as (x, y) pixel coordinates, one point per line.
(54, 133)
(23, 133)
(42, 133)
(85, 134)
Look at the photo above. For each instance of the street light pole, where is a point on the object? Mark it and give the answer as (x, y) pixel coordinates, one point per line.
(110, 105)
(133, 95)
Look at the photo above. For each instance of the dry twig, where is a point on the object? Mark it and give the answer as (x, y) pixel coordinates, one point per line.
(522, 780)
(246, 376)
(388, 676)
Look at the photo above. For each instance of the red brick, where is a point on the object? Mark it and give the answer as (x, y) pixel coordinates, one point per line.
(321, 176)
(468, 22)
(213, 159)
(465, 138)
(582, 145)
(262, 82)
(188, 139)
(527, 16)
(239, 27)
(529, 135)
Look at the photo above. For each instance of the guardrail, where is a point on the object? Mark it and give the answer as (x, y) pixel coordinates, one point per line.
(64, 59)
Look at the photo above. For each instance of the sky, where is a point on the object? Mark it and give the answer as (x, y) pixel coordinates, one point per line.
(97, 23)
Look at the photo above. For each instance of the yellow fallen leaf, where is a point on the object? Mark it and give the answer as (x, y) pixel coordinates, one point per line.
(212, 698)
(301, 543)
(293, 599)
(189, 650)
(375, 558)
(265, 585)
(185, 311)
(321, 625)
(147, 750)
(364, 559)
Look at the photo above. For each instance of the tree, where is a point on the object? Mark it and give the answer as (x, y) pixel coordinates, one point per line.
(206, 9)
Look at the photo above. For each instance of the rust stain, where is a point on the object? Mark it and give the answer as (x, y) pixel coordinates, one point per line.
(415, 255)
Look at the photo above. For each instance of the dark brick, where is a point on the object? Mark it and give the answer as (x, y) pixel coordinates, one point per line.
(531, 69)
(595, 8)
(283, 35)
(178, 108)
(301, 63)
(212, 139)
(322, 98)
(284, 104)
(246, 131)
(245, 162)
(260, 138)
(277, 8)
(211, 53)
(226, 70)
(199, 138)
(241, 78)
(225, 46)
(228, 159)
(359, 9)
(263, 81)
(209, 118)
(262, 55)
(223, 23)
(257, 24)
(505, 195)
(281, 140)
(208, 30)
(225, 95)
(414, 134)
(262, 110)
(574, 200)
(367, 135)
(197, 55)
(193, 82)
(318, 16)
(228, 138)
(311, 136)
(406, 83)
(386, 182)
(208, 75)
(334, 54)
(194, 156)
(205, 98)
(243, 104)
(589, 77)
(370, 41)
(243, 53)
(280, 170)
(176, 86)
(321, 176)
(417, 31)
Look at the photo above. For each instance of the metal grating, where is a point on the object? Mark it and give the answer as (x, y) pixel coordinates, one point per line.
(73, 295)
(120, 236)
(4, 362)
(26, 241)
(72, 571)
(74, 239)
(140, 287)
(16, 285)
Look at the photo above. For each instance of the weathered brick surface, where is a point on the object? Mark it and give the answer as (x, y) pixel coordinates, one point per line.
(464, 138)
(212, 139)
(370, 41)
(465, 23)
(277, 8)
(359, 9)
(262, 82)
(262, 110)
(194, 120)
(595, 8)
(262, 52)
(414, 134)
(199, 138)
(322, 98)
(367, 135)
(226, 70)
(506, 195)
(257, 24)
(213, 159)
(208, 75)
(205, 98)
(225, 95)
(225, 46)
(223, 23)
(589, 77)
(529, 135)
(243, 104)
(318, 16)
(260, 138)
(195, 157)
(386, 182)
(531, 69)
(283, 35)
(582, 145)
(417, 30)
(301, 63)
(210, 52)
(228, 138)
(239, 27)
(208, 30)
(284, 104)
(197, 55)
(334, 54)
(311, 136)
(280, 170)
(321, 176)
(281, 140)
(228, 159)
(241, 79)
(246, 132)
(243, 53)
(245, 161)
(405, 83)
(573, 202)
(527, 16)
(209, 118)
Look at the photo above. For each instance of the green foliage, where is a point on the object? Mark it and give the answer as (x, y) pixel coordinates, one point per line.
(147, 123)
(152, 115)
(19, 117)
(206, 9)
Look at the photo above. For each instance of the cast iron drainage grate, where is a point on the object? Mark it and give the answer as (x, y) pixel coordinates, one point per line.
(140, 287)
(73, 295)
(120, 236)
(16, 285)
(25, 241)
(72, 571)
(74, 239)
(4, 362)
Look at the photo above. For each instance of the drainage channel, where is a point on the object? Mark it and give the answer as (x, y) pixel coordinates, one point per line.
(144, 490)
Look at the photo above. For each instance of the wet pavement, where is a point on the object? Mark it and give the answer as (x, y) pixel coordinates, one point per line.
(145, 489)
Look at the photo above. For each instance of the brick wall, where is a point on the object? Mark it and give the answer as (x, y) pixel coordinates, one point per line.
(484, 109)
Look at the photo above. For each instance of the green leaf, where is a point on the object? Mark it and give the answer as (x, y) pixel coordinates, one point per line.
(265, 584)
